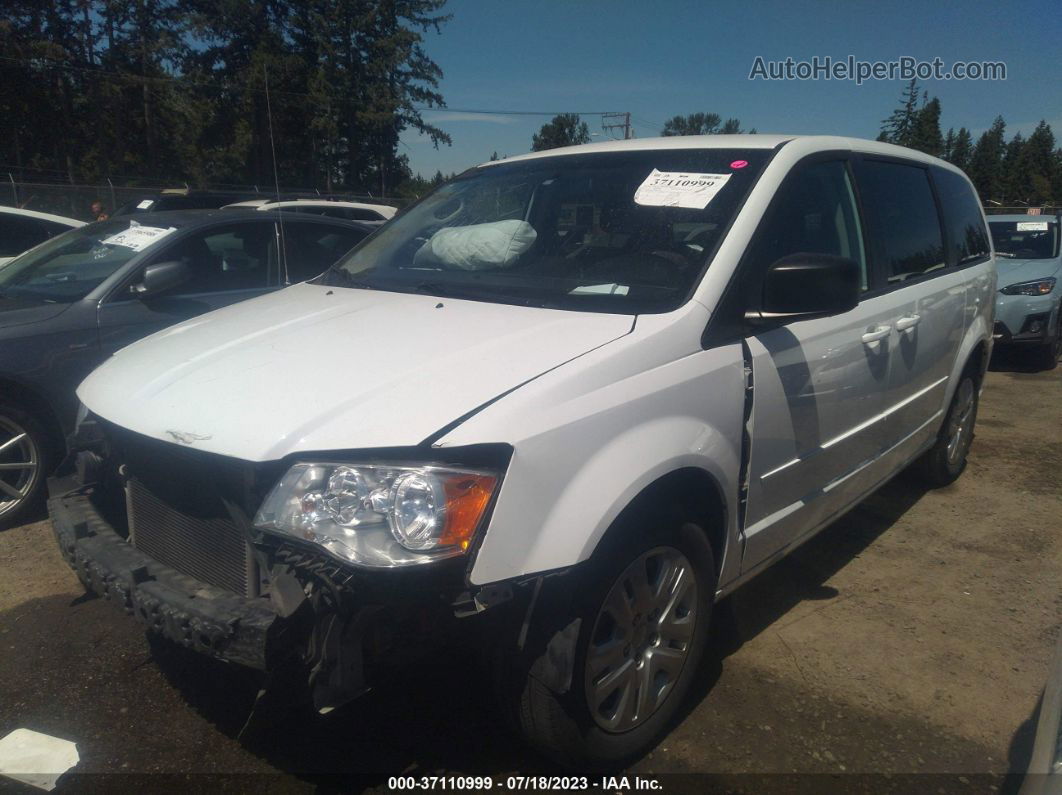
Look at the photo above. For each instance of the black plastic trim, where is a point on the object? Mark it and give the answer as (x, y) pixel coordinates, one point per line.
(181, 608)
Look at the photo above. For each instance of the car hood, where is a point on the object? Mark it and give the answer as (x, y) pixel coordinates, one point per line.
(1013, 271)
(318, 368)
(20, 312)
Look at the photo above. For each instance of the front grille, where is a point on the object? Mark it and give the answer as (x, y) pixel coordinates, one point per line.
(208, 548)
(180, 507)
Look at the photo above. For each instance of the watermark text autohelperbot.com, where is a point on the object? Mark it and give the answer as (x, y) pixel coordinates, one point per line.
(851, 68)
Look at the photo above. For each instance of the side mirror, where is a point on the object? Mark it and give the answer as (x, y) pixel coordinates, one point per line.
(161, 277)
(804, 286)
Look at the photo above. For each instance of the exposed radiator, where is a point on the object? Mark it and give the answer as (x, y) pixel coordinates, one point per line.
(209, 549)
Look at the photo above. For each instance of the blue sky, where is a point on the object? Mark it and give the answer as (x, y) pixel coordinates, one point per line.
(662, 58)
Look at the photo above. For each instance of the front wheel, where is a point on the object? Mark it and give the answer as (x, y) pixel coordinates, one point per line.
(942, 464)
(642, 614)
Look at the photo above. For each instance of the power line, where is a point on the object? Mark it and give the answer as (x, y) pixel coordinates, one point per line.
(447, 109)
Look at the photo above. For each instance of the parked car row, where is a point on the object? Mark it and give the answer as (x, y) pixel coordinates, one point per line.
(564, 403)
(69, 303)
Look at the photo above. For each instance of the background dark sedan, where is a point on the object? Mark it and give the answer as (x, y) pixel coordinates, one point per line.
(73, 301)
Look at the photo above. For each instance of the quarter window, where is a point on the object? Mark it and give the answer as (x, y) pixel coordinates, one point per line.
(902, 216)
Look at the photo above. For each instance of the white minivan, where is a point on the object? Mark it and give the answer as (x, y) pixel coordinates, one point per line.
(566, 402)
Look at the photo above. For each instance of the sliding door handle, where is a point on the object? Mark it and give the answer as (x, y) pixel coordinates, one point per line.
(907, 322)
(876, 335)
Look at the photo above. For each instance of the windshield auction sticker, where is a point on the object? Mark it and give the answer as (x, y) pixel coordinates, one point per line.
(679, 189)
(138, 237)
(1031, 226)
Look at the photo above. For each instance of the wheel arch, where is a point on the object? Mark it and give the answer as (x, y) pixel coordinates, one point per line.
(975, 351)
(33, 402)
(688, 493)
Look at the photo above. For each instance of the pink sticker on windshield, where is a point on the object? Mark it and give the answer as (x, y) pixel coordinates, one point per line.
(739, 164)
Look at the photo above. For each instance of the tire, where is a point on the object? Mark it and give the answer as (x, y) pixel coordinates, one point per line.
(661, 643)
(942, 464)
(23, 440)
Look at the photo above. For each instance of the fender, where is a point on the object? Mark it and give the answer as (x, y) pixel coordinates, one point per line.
(578, 463)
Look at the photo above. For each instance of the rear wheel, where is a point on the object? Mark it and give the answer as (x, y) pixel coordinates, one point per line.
(946, 459)
(24, 461)
(642, 611)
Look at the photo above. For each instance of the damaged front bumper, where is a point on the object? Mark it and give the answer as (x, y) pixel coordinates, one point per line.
(181, 608)
(344, 630)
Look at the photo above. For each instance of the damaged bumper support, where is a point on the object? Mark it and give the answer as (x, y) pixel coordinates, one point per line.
(183, 609)
(337, 629)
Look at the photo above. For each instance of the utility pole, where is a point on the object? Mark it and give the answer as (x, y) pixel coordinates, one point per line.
(607, 123)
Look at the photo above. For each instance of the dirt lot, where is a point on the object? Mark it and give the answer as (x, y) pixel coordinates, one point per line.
(910, 638)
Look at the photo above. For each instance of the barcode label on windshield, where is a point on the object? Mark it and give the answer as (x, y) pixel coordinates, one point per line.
(679, 189)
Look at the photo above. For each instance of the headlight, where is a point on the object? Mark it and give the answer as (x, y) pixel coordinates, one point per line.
(378, 515)
(1038, 287)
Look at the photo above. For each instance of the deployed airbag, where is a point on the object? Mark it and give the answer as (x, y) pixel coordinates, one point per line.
(477, 247)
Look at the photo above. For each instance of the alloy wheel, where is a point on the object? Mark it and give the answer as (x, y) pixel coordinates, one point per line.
(20, 464)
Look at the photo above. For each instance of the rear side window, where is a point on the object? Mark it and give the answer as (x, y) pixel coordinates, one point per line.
(967, 236)
(903, 219)
(20, 233)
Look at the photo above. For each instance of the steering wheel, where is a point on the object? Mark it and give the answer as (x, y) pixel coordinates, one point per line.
(448, 210)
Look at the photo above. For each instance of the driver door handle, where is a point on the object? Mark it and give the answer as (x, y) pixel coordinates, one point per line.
(907, 322)
(876, 335)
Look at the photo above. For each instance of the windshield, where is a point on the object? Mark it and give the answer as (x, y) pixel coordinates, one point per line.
(1025, 239)
(622, 232)
(68, 267)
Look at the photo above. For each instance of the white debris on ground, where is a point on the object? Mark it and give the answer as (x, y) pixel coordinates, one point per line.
(36, 759)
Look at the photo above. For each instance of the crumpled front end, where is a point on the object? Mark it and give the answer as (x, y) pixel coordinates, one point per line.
(165, 532)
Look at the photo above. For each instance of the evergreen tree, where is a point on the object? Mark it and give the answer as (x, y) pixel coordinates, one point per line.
(925, 135)
(564, 130)
(175, 90)
(949, 144)
(1013, 179)
(899, 127)
(1038, 164)
(961, 149)
(1056, 179)
(986, 161)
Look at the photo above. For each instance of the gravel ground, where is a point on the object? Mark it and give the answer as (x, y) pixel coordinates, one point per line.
(903, 649)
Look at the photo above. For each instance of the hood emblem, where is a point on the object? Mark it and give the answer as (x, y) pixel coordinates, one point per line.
(187, 438)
